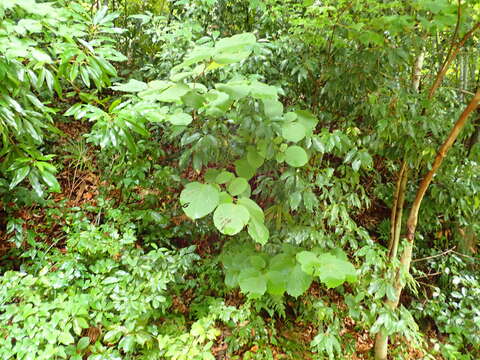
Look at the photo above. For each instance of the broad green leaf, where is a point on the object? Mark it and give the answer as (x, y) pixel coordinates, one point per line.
(50, 180)
(215, 65)
(295, 156)
(235, 89)
(112, 336)
(253, 208)
(334, 271)
(79, 324)
(174, 93)
(258, 262)
(272, 108)
(258, 231)
(193, 99)
(307, 119)
(99, 15)
(244, 169)
(225, 198)
(254, 158)
(252, 282)
(109, 68)
(84, 74)
(180, 119)
(20, 174)
(40, 56)
(181, 76)
(131, 86)
(290, 116)
(30, 25)
(226, 58)
(283, 263)
(199, 200)
(231, 278)
(234, 49)
(33, 177)
(391, 293)
(293, 131)
(298, 281)
(237, 186)
(235, 43)
(66, 338)
(294, 199)
(154, 88)
(263, 91)
(230, 219)
(276, 282)
(211, 175)
(217, 103)
(365, 158)
(224, 177)
(356, 164)
(83, 343)
(280, 157)
(199, 53)
(127, 344)
(308, 261)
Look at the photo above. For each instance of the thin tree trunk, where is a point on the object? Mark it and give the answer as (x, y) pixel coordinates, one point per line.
(399, 214)
(381, 339)
(393, 215)
(399, 196)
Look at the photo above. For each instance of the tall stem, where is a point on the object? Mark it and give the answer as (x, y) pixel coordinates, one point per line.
(399, 214)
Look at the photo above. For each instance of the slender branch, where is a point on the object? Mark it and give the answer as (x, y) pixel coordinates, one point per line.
(413, 217)
(455, 33)
(435, 256)
(466, 256)
(452, 45)
(425, 284)
(428, 275)
(455, 49)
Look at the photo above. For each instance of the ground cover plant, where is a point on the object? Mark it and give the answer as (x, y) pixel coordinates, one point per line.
(215, 179)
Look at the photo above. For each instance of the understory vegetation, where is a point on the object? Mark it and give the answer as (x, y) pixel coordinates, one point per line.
(217, 179)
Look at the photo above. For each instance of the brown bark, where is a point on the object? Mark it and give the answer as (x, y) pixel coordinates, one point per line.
(397, 211)
(412, 219)
(393, 215)
(406, 257)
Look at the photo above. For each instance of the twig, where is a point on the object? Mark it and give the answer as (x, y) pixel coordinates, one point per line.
(425, 284)
(464, 255)
(428, 275)
(435, 256)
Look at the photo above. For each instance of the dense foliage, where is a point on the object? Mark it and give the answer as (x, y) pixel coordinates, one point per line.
(248, 179)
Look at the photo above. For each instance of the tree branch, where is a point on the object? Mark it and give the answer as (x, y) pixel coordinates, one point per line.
(452, 54)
